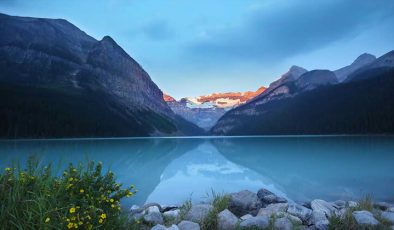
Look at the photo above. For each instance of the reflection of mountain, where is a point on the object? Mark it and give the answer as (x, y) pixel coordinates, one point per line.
(134, 161)
(327, 167)
(202, 169)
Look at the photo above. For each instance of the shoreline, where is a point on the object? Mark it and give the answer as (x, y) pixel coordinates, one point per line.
(264, 210)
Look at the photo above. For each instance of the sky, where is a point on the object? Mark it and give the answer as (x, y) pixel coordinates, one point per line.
(196, 47)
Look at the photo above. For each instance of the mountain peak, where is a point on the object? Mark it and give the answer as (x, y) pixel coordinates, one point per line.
(295, 68)
(364, 58)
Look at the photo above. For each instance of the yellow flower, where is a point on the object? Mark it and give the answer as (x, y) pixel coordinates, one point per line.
(103, 215)
(72, 210)
(80, 223)
(75, 225)
(81, 191)
(70, 225)
(74, 170)
(7, 169)
(112, 200)
(100, 221)
(112, 205)
(47, 220)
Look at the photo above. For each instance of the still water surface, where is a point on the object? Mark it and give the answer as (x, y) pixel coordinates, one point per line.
(172, 170)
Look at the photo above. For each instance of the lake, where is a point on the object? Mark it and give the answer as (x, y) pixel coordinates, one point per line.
(172, 170)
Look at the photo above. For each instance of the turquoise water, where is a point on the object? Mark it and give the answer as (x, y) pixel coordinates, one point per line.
(172, 170)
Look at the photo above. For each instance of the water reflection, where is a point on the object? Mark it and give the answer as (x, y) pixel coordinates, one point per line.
(172, 170)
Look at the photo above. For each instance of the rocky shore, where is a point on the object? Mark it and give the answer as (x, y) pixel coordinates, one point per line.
(265, 210)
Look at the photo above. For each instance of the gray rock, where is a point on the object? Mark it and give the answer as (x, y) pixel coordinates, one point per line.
(273, 209)
(292, 218)
(188, 225)
(247, 216)
(389, 216)
(153, 215)
(342, 212)
(267, 197)
(319, 219)
(198, 212)
(324, 207)
(162, 227)
(283, 224)
(165, 208)
(244, 202)
(258, 221)
(299, 211)
(172, 214)
(135, 209)
(227, 220)
(364, 217)
(390, 209)
(382, 205)
(340, 204)
(352, 204)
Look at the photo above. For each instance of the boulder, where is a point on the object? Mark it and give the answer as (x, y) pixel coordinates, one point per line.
(292, 218)
(227, 220)
(283, 224)
(135, 209)
(198, 212)
(165, 208)
(340, 204)
(247, 216)
(257, 222)
(390, 209)
(153, 215)
(244, 202)
(324, 207)
(273, 209)
(382, 205)
(389, 216)
(319, 219)
(352, 204)
(188, 225)
(364, 218)
(162, 227)
(300, 211)
(172, 215)
(267, 197)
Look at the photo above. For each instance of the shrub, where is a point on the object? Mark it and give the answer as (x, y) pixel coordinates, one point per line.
(82, 197)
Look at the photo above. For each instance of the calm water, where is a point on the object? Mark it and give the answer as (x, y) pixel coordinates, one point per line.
(172, 170)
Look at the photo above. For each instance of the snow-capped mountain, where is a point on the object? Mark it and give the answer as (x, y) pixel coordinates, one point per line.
(204, 111)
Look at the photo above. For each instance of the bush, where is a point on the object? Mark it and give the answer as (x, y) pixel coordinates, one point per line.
(82, 197)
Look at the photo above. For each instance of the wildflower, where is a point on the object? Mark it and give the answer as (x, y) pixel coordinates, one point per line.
(72, 210)
(80, 223)
(112, 205)
(103, 215)
(100, 221)
(74, 170)
(75, 225)
(112, 200)
(81, 191)
(70, 225)
(70, 179)
(47, 220)
(7, 169)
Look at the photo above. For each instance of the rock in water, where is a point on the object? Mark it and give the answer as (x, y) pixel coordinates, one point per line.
(188, 225)
(244, 202)
(198, 212)
(283, 224)
(258, 221)
(267, 197)
(227, 220)
(364, 218)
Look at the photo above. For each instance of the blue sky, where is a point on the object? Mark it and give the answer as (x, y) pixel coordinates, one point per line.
(192, 48)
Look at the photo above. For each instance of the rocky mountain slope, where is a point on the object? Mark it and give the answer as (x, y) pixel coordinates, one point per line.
(205, 111)
(57, 81)
(316, 103)
(360, 62)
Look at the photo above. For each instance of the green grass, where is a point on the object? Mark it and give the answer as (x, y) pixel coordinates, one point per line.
(349, 223)
(82, 197)
(219, 202)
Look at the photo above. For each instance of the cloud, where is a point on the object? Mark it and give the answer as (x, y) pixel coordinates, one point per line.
(157, 30)
(282, 29)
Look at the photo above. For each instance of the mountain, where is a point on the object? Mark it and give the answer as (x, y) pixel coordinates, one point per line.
(57, 81)
(204, 111)
(360, 105)
(293, 74)
(361, 61)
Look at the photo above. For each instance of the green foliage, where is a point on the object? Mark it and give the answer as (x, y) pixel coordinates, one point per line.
(219, 202)
(82, 197)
